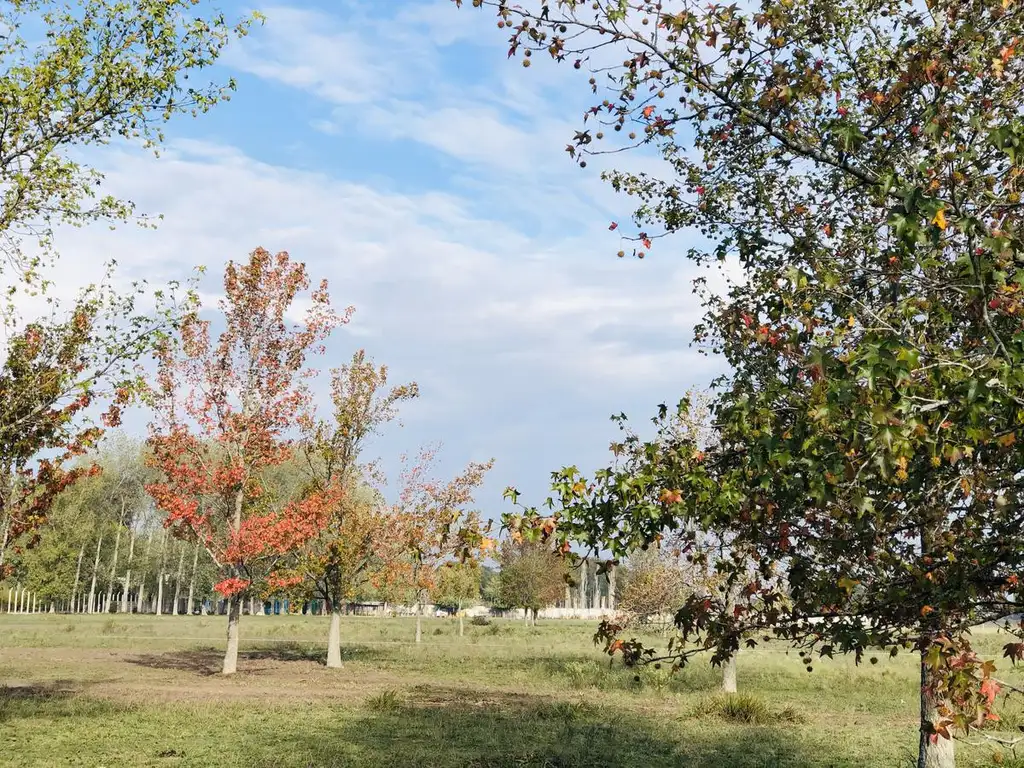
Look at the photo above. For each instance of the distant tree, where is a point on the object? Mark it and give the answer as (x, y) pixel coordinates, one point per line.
(490, 587)
(225, 412)
(436, 525)
(457, 585)
(656, 585)
(532, 575)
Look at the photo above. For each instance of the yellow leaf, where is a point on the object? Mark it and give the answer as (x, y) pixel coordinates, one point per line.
(940, 219)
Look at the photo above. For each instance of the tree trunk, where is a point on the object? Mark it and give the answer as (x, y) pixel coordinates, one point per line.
(113, 563)
(192, 580)
(583, 586)
(334, 639)
(95, 569)
(462, 625)
(611, 587)
(177, 582)
(419, 627)
(128, 572)
(160, 575)
(941, 753)
(78, 576)
(729, 674)
(231, 654)
(140, 599)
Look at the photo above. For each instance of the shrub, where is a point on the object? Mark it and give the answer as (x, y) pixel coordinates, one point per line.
(745, 708)
(480, 621)
(385, 702)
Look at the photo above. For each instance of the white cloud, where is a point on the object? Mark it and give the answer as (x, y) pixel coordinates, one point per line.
(429, 280)
(495, 286)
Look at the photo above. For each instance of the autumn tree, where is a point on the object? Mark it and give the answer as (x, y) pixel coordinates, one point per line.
(656, 585)
(86, 74)
(436, 524)
(228, 409)
(361, 535)
(457, 585)
(533, 575)
(861, 161)
(65, 381)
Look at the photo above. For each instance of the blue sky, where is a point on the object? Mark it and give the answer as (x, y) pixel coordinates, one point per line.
(393, 148)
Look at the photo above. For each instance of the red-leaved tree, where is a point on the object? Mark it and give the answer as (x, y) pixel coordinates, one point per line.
(435, 524)
(225, 411)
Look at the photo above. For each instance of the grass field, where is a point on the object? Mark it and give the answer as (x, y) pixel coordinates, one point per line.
(144, 691)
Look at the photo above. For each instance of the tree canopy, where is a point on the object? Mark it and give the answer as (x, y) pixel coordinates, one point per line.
(859, 160)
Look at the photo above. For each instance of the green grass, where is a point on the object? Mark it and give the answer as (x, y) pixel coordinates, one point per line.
(144, 691)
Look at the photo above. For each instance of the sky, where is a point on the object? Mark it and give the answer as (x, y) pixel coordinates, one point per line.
(394, 149)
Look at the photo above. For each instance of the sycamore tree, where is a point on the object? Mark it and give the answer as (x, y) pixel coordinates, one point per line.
(226, 410)
(861, 161)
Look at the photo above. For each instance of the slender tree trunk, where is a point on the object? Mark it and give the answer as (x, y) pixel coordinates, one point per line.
(941, 752)
(7, 534)
(231, 653)
(583, 586)
(78, 576)
(729, 667)
(334, 638)
(937, 753)
(160, 573)
(729, 674)
(140, 599)
(128, 572)
(462, 623)
(420, 597)
(113, 563)
(611, 587)
(177, 582)
(95, 570)
(192, 579)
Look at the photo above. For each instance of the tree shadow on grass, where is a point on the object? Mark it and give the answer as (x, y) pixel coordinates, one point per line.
(207, 662)
(447, 727)
(52, 699)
